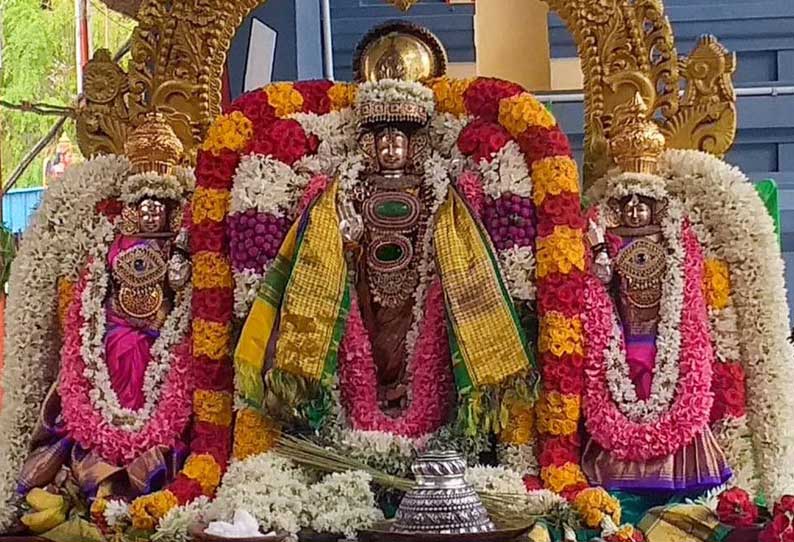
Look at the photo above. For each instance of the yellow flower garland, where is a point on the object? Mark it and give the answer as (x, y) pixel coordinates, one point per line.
(558, 479)
(561, 335)
(554, 176)
(228, 132)
(284, 99)
(593, 504)
(717, 284)
(210, 339)
(519, 428)
(449, 94)
(210, 204)
(148, 510)
(205, 470)
(253, 434)
(521, 112)
(558, 414)
(561, 252)
(211, 270)
(342, 95)
(213, 407)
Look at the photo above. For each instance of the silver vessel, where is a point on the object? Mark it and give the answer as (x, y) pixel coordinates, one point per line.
(442, 502)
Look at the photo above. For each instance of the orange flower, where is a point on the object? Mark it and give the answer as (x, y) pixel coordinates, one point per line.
(148, 510)
(210, 204)
(213, 407)
(520, 112)
(554, 176)
(520, 427)
(65, 297)
(561, 335)
(228, 132)
(284, 99)
(449, 95)
(558, 414)
(253, 434)
(562, 251)
(717, 284)
(211, 339)
(211, 270)
(593, 504)
(342, 95)
(557, 479)
(205, 470)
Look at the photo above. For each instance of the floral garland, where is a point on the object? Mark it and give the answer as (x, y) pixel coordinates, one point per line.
(614, 430)
(92, 349)
(751, 322)
(167, 418)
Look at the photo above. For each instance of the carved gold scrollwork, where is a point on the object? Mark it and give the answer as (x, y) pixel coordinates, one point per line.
(626, 47)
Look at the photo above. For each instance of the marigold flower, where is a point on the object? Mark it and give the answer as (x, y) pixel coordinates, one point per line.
(557, 479)
(213, 407)
(562, 251)
(205, 470)
(558, 414)
(148, 510)
(253, 434)
(284, 99)
(449, 94)
(595, 503)
(520, 112)
(717, 284)
(211, 270)
(520, 427)
(554, 176)
(342, 95)
(211, 339)
(561, 335)
(210, 204)
(228, 132)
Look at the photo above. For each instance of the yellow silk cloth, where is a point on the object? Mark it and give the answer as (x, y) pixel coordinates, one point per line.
(489, 339)
(679, 523)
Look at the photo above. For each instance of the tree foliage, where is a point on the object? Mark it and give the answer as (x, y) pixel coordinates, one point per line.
(39, 65)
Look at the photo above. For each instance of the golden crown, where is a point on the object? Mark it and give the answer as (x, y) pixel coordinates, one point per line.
(153, 146)
(636, 143)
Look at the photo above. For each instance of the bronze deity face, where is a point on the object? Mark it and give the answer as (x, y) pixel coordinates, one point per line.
(636, 213)
(392, 149)
(153, 216)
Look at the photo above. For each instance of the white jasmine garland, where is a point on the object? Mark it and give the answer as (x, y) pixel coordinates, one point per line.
(495, 480)
(246, 286)
(270, 487)
(506, 172)
(445, 129)
(175, 525)
(343, 503)
(267, 185)
(394, 90)
(668, 342)
(337, 129)
(520, 459)
(145, 185)
(743, 236)
(117, 514)
(518, 271)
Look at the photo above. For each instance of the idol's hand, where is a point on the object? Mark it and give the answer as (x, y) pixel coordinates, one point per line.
(179, 271)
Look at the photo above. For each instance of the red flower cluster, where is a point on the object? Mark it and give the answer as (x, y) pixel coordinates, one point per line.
(255, 106)
(111, 208)
(214, 376)
(185, 489)
(315, 96)
(560, 210)
(735, 508)
(785, 506)
(566, 376)
(284, 140)
(538, 143)
(216, 171)
(481, 138)
(728, 384)
(622, 536)
(562, 293)
(213, 304)
(212, 439)
(558, 451)
(483, 96)
(207, 236)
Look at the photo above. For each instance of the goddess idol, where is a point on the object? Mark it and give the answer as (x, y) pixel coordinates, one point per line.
(113, 423)
(650, 357)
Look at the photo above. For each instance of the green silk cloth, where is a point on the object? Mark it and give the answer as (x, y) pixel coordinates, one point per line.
(768, 192)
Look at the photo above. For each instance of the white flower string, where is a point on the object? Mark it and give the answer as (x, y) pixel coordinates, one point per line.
(506, 172)
(265, 184)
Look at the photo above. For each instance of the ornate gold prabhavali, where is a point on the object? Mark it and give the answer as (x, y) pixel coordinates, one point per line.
(626, 47)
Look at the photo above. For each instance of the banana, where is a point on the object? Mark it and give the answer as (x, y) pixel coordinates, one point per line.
(41, 500)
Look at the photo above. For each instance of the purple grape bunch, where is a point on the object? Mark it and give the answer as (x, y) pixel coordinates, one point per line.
(510, 221)
(255, 238)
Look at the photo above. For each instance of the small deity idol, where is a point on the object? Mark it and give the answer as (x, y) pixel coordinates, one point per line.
(648, 395)
(113, 425)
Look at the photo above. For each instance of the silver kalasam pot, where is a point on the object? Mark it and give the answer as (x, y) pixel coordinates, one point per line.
(442, 502)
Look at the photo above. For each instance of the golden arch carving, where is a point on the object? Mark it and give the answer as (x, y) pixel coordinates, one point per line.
(626, 46)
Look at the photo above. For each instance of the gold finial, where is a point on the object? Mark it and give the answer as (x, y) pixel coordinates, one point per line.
(403, 5)
(636, 142)
(399, 50)
(153, 146)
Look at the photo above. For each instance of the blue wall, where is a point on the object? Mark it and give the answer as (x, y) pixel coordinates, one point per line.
(18, 207)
